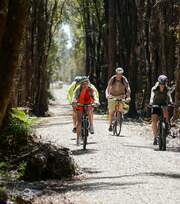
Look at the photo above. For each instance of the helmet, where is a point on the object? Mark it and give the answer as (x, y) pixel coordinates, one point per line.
(162, 79)
(84, 78)
(119, 70)
(77, 79)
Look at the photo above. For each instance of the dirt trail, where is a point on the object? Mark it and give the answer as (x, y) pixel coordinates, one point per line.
(117, 170)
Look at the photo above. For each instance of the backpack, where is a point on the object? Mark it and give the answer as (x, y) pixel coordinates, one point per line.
(79, 91)
(124, 82)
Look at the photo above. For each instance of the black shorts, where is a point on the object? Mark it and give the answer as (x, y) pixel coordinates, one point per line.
(156, 110)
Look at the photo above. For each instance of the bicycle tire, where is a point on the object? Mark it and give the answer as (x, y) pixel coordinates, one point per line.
(85, 139)
(164, 135)
(117, 124)
(85, 133)
(160, 136)
(114, 127)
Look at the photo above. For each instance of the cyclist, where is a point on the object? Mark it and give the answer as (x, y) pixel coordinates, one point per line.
(84, 94)
(160, 95)
(118, 87)
(70, 93)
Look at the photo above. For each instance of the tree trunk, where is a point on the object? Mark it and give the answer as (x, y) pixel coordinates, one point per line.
(111, 37)
(3, 17)
(177, 95)
(10, 49)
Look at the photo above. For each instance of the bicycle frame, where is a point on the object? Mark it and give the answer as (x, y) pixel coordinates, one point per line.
(85, 120)
(118, 117)
(85, 124)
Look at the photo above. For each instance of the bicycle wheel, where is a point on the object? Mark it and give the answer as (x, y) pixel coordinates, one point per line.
(85, 139)
(164, 135)
(85, 133)
(160, 136)
(117, 124)
(114, 127)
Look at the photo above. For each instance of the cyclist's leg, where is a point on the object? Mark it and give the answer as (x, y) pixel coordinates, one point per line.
(154, 121)
(90, 117)
(79, 123)
(111, 108)
(74, 117)
(154, 118)
(166, 116)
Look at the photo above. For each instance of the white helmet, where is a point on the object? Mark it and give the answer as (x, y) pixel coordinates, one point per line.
(119, 70)
(162, 79)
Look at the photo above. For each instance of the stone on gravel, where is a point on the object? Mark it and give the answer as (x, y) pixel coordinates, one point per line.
(50, 162)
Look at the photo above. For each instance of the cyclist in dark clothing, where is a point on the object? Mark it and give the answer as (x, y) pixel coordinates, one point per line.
(160, 95)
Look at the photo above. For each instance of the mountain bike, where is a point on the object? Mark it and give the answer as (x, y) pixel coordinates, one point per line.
(162, 128)
(85, 124)
(118, 117)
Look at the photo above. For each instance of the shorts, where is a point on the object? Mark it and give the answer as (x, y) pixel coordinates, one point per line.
(111, 104)
(157, 111)
(80, 108)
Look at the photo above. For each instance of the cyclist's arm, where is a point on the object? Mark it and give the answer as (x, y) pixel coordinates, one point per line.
(95, 93)
(106, 93)
(152, 96)
(69, 95)
(70, 92)
(109, 85)
(75, 95)
(173, 88)
(170, 97)
(128, 91)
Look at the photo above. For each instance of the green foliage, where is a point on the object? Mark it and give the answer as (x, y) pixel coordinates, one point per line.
(20, 122)
(21, 170)
(4, 169)
(6, 174)
(65, 62)
(17, 174)
(3, 194)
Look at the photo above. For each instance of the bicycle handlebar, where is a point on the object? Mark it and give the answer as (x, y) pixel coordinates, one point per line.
(160, 106)
(89, 105)
(120, 100)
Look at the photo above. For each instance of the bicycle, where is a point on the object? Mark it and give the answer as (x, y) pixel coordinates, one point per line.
(85, 124)
(162, 128)
(118, 117)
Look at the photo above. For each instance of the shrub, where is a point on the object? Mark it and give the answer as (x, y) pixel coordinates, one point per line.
(20, 122)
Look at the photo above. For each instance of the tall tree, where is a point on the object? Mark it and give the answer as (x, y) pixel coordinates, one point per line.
(111, 37)
(10, 49)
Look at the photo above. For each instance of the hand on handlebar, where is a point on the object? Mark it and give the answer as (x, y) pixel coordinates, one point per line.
(109, 97)
(74, 104)
(127, 100)
(96, 104)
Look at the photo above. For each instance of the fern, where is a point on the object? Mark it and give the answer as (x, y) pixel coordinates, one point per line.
(20, 122)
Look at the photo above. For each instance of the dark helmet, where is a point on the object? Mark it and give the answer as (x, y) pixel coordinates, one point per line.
(77, 79)
(162, 79)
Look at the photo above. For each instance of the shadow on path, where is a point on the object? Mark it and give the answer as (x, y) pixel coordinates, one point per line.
(81, 151)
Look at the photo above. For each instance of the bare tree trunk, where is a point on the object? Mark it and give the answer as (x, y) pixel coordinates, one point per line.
(111, 37)
(177, 95)
(9, 51)
(3, 17)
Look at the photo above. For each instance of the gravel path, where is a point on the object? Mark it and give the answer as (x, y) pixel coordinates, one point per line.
(117, 170)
